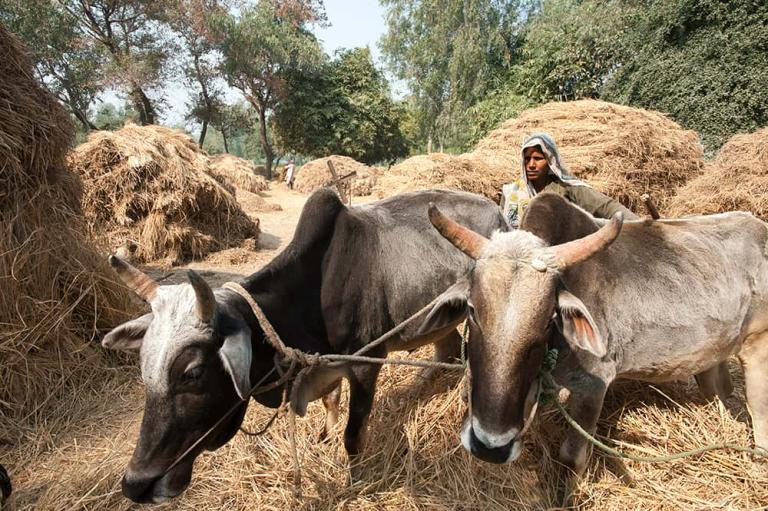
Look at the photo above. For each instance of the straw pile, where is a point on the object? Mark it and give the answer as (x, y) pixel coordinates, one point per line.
(315, 174)
(57, 291)
(237, 173)
(150, 185)
(413, 459)
(622, 151)
(481, 172)
(737, 179)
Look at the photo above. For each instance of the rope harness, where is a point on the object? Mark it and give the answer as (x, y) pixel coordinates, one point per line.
(300, 363)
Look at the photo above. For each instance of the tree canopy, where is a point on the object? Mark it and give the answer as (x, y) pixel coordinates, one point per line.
(342, 107)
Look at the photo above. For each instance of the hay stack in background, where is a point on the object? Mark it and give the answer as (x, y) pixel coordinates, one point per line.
(737, 179)
(315, 174)
(481, 172)
(57, 291)
(149, 185)
(236, 172)
(622, 151)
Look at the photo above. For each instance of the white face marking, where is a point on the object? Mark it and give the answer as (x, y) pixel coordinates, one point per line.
(492, 440)
(514, 452)
(175, 324)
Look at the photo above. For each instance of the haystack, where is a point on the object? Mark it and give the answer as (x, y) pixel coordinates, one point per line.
(57, 291)
(315, 174)
(481, 172)
(737, 179)
(149, 185)
(622, 151)
(236, 172)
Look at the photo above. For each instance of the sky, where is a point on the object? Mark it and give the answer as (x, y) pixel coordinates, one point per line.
(352, 23)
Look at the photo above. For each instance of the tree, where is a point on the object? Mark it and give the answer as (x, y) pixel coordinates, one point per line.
(451, 53)
(260, 46)
(571, 48)
(200, 66)
(68, 63)
(343, 107)
(130, 33)
(704, 62)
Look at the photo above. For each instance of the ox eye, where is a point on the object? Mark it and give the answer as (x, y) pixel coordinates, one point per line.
(193, 374)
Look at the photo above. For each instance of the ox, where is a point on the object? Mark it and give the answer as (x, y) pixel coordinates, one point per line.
(348, 276)
(663, 301)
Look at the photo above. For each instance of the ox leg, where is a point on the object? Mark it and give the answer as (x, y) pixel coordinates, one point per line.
(331, 403)
(362, 387)
(447, 349)
(715, 382)
(584, 406)
(754, 360)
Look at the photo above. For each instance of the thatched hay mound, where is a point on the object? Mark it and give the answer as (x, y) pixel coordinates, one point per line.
(237, 172)
(737, 179)
(149, 184)
(315, 174)
(481, 172)
(57, 291)
(622, 151)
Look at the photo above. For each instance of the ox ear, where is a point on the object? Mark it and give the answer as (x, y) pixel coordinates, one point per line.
(449, 310)
(579, 329)
(236, 353)
(129, 335)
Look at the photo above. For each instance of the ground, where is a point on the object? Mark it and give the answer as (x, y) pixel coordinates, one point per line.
(70, 452)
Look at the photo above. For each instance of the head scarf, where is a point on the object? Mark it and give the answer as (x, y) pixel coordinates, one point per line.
(517, 195)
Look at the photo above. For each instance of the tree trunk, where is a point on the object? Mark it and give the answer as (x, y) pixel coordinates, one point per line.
(83, 118)
(224, 137)
(429, 144)
(265, 145)
(143, 106)
(203, 131)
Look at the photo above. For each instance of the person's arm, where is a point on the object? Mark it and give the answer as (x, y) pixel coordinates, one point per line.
(598, 204)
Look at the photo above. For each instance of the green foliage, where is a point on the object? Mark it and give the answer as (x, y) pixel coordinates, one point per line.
(705, 62)
(571, 48)
(488, 114)
(109, 117)
(451, 53)
(343, 107)
(261, 46)
(68, 62)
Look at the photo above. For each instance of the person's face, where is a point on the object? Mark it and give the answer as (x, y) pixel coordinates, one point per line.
(536, 166)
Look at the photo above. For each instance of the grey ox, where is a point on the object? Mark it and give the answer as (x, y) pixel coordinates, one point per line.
(348, 276)
(659, 302)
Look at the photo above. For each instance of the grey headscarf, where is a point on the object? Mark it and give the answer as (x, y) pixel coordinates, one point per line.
(556, 166)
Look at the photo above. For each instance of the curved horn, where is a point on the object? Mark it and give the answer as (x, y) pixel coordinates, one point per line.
(206, 302)
(136, 280)
(466, 240)
(576, 251)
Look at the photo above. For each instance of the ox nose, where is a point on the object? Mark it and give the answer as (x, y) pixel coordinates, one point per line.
(478, 449)
(138, 488)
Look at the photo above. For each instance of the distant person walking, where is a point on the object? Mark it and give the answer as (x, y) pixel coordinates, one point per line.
(290, 172)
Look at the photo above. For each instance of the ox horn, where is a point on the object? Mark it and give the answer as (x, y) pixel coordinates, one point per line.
(136, 280)
(576, 251)
(206, 302)
(466, 240)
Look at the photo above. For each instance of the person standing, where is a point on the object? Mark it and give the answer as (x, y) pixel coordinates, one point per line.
(290, 176)
(544, 171)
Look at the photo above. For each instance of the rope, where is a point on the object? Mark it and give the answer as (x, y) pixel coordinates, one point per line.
(550, 394)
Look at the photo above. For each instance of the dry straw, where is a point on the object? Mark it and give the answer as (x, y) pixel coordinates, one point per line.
(315, 174)
(737, 179)
(57, 291)
(237, 173)
(622, 151)
(149, 185)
